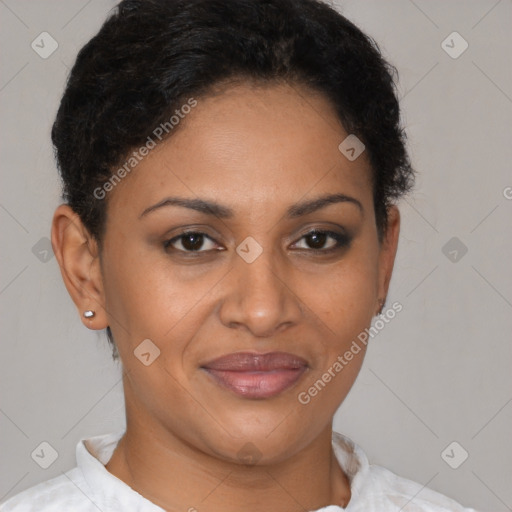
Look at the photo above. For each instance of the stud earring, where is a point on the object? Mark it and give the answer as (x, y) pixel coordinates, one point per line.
(381, 303)
(89, 313)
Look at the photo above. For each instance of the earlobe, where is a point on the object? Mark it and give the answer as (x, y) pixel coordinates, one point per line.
(387, 255)
(77, 254)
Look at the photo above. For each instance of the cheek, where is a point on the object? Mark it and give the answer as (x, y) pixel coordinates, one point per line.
(343, 298)
(146, 295)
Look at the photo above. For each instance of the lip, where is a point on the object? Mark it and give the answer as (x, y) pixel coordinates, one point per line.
(254, 375)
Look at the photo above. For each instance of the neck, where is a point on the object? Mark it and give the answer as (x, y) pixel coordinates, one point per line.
(177, 476)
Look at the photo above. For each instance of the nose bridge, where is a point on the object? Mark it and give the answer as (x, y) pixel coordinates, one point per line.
(261, 278)
(258, 298)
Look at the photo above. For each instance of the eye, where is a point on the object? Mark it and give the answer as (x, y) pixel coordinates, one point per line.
(191, 241)
(323, 241)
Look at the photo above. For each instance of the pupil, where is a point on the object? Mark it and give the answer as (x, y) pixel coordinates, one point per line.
(316, 240)
(192, 242)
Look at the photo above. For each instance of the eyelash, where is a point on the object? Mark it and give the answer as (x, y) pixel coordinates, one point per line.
(342, 241)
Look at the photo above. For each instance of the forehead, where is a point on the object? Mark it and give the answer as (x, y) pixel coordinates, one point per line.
(251, 145)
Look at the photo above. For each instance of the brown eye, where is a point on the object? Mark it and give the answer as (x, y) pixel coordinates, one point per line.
(191, 241)
(323, 241)
(316, 240)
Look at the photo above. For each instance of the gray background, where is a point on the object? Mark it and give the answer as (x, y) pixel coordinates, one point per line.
(438, 373)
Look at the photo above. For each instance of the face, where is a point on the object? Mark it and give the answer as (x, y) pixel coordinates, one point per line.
(267, 266)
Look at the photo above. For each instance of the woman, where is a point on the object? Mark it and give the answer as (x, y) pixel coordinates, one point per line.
(230, 174)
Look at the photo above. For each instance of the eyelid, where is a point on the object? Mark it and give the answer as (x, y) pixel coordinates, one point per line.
(168, 243)
(332, 229)
(323, 229)
(182, 230)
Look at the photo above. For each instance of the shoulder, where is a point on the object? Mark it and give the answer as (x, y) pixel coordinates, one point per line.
(64, 492)
(377, 489)
(393, 492)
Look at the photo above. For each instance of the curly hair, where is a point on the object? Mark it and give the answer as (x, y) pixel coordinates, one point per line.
(150, 56)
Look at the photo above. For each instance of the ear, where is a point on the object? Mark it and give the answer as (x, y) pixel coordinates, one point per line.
(387, 254)
(77, 254)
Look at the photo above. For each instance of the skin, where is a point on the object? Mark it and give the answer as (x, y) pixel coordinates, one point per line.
(257, 150)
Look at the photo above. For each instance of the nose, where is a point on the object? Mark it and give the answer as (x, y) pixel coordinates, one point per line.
(260, 297)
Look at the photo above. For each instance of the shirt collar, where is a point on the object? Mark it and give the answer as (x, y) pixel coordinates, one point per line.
(109, 493)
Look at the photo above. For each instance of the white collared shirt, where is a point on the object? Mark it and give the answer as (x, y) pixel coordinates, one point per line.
(89, 487)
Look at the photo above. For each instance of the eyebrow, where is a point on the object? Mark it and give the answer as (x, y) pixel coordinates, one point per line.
(223, 212)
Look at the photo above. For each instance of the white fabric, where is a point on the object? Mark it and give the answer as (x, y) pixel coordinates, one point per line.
(89, 487)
